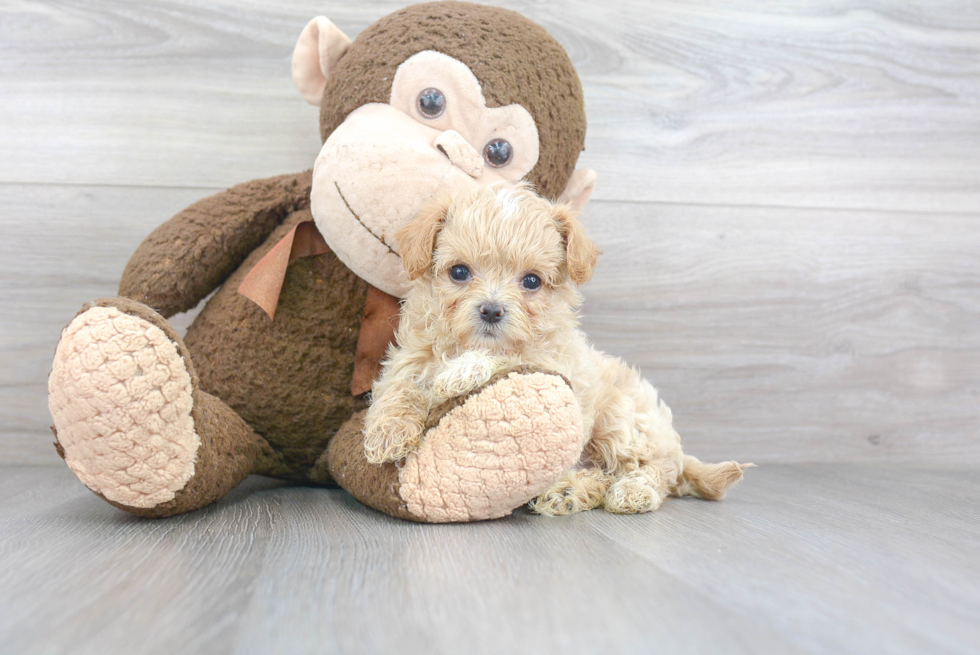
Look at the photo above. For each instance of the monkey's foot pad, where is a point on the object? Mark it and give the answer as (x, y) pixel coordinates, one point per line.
(495, 452)
(121, 398)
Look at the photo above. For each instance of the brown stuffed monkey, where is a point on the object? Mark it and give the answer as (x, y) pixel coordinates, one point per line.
(273, 375)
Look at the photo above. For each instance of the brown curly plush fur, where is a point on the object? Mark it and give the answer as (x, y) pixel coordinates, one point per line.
(515, 60)
(265, 370)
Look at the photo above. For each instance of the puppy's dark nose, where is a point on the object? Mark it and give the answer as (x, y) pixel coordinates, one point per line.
(491, 312)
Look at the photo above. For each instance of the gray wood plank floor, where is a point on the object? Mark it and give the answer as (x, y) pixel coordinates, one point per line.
(798, 559)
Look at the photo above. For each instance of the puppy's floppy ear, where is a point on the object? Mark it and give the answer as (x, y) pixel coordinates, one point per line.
(580, 252)
(417, 240)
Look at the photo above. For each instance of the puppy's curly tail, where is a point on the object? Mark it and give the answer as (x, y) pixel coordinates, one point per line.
(708, 481)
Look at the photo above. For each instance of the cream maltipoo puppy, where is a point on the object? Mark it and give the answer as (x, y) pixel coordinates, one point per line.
(495, 273)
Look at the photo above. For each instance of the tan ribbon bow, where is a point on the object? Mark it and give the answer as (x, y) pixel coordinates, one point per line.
(263, 284)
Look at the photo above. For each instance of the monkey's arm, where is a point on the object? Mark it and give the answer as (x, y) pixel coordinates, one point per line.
(187, 257)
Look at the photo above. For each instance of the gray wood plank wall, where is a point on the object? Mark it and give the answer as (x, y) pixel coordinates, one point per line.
(788, 199)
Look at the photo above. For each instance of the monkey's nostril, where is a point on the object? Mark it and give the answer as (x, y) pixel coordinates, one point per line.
(460, 153)
(491, 312)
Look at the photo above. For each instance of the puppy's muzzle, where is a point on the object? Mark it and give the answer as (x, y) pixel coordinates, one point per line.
(491, 312)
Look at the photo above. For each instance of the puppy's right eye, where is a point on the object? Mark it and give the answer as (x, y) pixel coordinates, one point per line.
(460, 272)
(531, 282)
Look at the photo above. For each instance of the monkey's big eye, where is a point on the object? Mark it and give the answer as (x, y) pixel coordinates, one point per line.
(498, 153)
(531, 282)
(460, 273)
(431, 103)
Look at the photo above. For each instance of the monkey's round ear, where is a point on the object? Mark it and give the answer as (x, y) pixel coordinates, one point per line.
(417, 240)
(319, 48)
(581, 254)
(579, 188)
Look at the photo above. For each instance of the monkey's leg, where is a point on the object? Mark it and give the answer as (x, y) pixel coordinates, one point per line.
(482, 456)
(131, 421)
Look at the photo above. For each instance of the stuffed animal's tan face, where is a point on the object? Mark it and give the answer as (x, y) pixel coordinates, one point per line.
(433, 131)
(377, 170)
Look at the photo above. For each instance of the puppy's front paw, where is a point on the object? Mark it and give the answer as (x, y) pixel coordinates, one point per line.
(391, 438)
(463, 374)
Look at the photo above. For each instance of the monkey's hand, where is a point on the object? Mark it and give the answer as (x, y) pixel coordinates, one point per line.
(394, 423)
(464, 373)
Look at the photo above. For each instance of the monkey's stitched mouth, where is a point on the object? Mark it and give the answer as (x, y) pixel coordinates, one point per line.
(358, 219)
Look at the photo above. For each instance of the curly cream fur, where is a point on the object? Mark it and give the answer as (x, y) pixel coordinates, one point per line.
(502, 233)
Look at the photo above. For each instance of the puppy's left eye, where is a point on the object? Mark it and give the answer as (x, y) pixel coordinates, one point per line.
(531, 282)
(460, 273)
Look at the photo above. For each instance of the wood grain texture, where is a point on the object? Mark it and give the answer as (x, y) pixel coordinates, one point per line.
(824, 335)
(831, 104)
(788, 197)
(798, 559)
